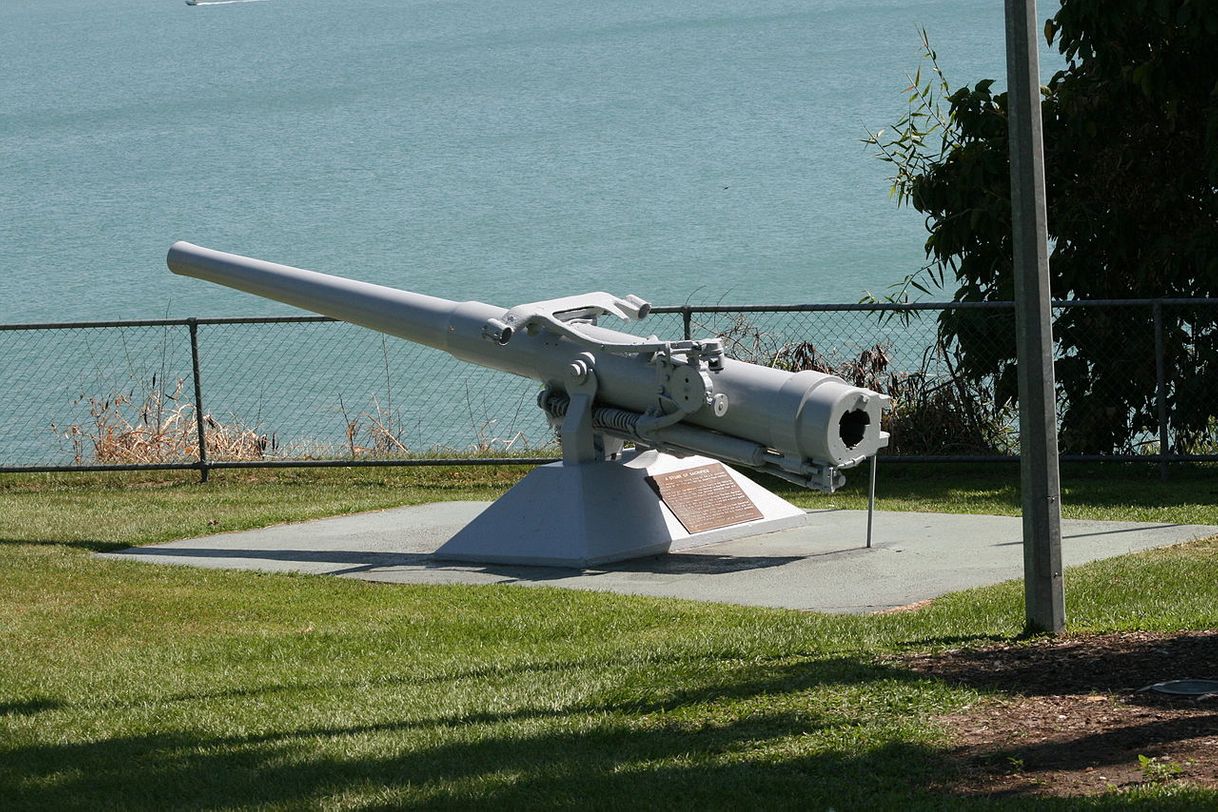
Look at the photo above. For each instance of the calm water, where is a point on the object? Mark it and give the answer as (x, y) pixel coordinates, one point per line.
(506, 151)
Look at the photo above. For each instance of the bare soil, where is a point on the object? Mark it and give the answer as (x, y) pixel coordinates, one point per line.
(1072, 717)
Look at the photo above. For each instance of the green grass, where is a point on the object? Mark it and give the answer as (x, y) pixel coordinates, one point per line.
(1129, 492)
(106, 511)
(135, 685)
(112, 510)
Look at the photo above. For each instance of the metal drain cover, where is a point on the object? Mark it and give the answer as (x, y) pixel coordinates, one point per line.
(1185, 687)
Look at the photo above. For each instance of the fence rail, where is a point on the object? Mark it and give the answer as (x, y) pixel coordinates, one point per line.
(294, 391)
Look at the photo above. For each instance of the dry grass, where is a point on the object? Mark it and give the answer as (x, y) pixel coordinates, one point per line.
(375, 432)
(159, 427)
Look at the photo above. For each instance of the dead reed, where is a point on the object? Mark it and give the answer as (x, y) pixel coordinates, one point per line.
(156, 427)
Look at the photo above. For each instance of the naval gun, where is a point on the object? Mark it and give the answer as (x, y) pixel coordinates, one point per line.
(684, 406)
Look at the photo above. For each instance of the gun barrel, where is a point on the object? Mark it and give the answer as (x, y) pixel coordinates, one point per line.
(413, 316)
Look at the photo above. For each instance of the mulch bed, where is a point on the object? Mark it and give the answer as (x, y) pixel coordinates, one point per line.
(1075, 720)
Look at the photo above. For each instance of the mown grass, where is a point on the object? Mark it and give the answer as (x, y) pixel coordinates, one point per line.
(111, 510)
(1116, 491)
(144, 686)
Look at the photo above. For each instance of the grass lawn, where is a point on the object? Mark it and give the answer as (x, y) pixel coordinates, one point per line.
(136, 685)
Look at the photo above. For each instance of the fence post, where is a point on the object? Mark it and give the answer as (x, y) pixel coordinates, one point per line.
(1160, 387)
(687, 318)
(194, 363)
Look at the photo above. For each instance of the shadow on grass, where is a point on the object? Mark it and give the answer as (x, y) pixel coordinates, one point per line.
(29, 707)
(90, 545)
(609, 763)
(686, 748)
(612, 764)
(772, 677)
(678, 744)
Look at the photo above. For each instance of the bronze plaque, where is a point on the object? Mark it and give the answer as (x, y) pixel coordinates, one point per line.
(705, 498)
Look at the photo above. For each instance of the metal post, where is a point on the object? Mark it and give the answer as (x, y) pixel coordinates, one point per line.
(194, 363)
(687, 320)
(1160, 388)
(1044, 597)
(871, 499)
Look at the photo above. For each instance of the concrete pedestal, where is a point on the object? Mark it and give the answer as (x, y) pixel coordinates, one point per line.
(596, 513)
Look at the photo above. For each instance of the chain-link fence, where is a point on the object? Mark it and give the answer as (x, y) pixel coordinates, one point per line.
(1134, 382)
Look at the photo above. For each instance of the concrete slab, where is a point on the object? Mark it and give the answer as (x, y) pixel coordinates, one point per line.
(820, 566)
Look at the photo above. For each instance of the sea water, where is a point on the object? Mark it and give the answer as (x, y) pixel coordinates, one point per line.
(688, 150)
(701, 151)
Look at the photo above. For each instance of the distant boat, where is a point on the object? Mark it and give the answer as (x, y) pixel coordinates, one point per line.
(192, 2)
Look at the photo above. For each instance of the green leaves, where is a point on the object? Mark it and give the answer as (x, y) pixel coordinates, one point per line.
(1131, 143)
